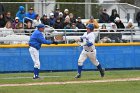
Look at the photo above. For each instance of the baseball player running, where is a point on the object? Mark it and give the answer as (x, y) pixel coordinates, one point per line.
(35, 42)
(88, 51)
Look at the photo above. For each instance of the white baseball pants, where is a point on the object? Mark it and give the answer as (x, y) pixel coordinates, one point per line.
(91, 55)
(35, 57)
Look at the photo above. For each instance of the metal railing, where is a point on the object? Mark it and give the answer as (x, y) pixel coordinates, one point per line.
(66, 35)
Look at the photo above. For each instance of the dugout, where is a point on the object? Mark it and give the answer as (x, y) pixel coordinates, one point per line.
(63, 57)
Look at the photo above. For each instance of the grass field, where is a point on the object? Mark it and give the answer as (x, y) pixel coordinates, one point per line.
(99, 87)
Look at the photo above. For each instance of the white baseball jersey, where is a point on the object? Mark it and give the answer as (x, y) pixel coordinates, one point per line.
(90, 37)
(88, 51)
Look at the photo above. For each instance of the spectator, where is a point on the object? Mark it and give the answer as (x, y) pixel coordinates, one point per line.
(115, 37)
(31, 14)
(104, 37)
(72, 18)
(93, 21)
(138, 18)
(56, 13)
(8, 17)
(2, 9)
(2, 21)
(52, 19)
(104, 17)
(36, 21)
(66, 13)
(45, 20)
(119, 23)
(80, 25)
(8, 29)
(61, 17)
(67, 23)
(21, 13)
(28, 28)
(114, 15)
(16, 21)
(73, 26)
(131, 28)
(19, 28)
(58, 24)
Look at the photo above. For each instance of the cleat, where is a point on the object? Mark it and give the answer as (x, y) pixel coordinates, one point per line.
(36, 77)
(102, 73)
(78, 76)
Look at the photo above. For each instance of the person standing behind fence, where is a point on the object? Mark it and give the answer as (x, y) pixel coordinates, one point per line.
(28, 28)
(16, 21)
(21, 13)
(31, 14)
(119, 25)
(36, 21)
(130, 28)
(62, 19)
(80, 25)
(104, 17)
(93, 21)
(114, 15)
(45, 20)
(138, 18)
(8, 17)
(52, 19)
(66, 13)
(2, 21)
(35, 42)
(7, 30)
(2, 9)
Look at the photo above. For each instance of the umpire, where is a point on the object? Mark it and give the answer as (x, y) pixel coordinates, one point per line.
(35, 42)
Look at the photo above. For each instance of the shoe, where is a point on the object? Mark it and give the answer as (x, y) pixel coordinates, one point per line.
(36, 77)
(78, 76)
(103, 73)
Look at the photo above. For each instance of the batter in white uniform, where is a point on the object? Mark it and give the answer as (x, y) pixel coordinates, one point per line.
(88, 51)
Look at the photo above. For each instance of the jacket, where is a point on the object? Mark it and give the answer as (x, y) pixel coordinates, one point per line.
(37, 39)
(29, 15)
(21, 13)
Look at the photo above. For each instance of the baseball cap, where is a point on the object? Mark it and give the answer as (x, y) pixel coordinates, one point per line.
(117, 19)
(66, 10)
(16, 18)
(31, 8)
(60, 13)
(79, 18)
(57, 8)
(51, 14)
(91, 17)
(44, 15)
(41, 26)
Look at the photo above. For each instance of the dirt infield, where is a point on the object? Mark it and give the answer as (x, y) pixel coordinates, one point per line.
(72, 82)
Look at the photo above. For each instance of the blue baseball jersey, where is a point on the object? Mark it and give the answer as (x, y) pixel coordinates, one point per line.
(37, 39)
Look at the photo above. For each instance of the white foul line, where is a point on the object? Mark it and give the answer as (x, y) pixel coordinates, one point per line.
(73, 82)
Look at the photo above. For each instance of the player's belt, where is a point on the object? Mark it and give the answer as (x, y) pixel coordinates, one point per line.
(88, 51)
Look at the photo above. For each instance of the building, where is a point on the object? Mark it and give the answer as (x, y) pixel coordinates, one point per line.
(124, 10)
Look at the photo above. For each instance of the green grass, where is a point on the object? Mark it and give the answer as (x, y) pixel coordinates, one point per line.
(112, 87)
(116, 87)
(67, 76)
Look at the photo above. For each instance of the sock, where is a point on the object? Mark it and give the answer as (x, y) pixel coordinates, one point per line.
(36, 72)
(99, 67)
(79, 69)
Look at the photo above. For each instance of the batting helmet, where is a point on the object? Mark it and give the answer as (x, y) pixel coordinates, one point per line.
(90, 26)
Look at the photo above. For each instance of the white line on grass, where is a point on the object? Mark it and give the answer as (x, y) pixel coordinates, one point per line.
(73, 82)
(30, 77)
